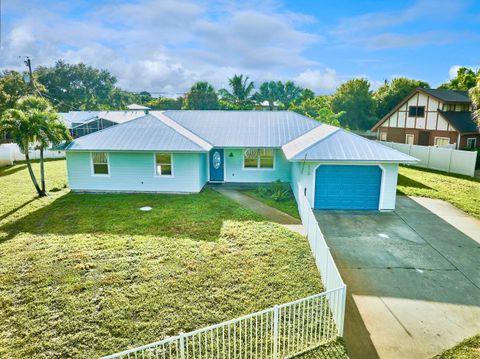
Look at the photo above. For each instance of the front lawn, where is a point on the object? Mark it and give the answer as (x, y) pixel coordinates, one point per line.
(287, 205)
(84, 275)
(467, 349)
(461, 191)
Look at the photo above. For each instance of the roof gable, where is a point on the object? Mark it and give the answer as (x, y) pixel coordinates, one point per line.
(343, 145)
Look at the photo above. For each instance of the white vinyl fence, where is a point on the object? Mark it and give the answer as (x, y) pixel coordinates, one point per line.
(279, 332)
(283, 331)
(320, 250)
(439, 158)
(10, 152)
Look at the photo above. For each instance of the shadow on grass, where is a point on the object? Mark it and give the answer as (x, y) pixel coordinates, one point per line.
(408, 182)
(196, 216)
(9, 213)
(10, 170)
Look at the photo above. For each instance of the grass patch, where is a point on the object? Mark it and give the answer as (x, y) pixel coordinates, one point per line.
(84, 275)
(288, 205)
(461, 191)
(468, 349)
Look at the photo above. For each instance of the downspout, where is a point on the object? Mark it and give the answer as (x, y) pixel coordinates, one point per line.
(458, 141)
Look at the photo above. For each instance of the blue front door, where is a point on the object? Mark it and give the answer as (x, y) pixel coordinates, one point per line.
(216, 164)
(347, 187)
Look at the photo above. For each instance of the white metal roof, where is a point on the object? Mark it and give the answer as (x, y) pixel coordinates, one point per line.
(342, 145)
(146, 133)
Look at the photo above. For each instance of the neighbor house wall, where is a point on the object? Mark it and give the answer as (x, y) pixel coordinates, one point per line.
(135, 172)
(234, 171)
(303, 177)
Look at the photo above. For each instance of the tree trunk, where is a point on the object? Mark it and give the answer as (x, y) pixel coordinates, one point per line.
(271, 104)
(32, 176)
(42, 171)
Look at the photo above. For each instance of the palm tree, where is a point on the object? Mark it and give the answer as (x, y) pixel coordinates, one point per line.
(474, 93)
(241, 91)
(290, 93)
(270, 92)
(33, 123)
(202, 96)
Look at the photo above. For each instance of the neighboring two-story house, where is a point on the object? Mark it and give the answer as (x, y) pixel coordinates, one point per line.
(431, 117)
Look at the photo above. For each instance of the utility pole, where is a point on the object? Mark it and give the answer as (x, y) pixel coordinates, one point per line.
(28, 63)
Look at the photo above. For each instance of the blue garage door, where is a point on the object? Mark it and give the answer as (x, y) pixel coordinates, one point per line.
(347, 187)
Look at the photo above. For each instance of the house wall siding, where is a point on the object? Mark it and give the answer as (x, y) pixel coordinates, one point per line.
(398, 135)
(234, 171)
(304, 175)
(135, 172)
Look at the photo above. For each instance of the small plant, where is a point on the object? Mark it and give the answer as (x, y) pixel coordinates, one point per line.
(278, 191)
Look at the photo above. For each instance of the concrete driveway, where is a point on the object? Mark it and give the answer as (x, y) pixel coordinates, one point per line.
(413, 277)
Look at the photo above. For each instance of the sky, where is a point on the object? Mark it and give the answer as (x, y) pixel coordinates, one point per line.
(164, 46)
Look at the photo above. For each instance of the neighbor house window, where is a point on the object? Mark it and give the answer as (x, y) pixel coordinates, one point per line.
(471, 143)
(383, 136)
(100, 163)
(416, 111)
(258, 158)
(409, 139)
(163, 164)
(441, 141)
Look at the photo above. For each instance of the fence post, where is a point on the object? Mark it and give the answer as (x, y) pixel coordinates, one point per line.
(342, 311)
(450, 161)
(275, 331)
(182, 345)
(428, 157)
(326, 267)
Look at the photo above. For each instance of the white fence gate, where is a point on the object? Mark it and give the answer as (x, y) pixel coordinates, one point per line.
(283, 331)
(10, 152)
(439, 158)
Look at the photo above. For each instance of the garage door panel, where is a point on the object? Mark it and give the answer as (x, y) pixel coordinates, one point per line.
(347, 187)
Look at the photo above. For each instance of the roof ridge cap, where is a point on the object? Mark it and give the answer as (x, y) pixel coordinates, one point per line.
(168, 121)
(307, 136)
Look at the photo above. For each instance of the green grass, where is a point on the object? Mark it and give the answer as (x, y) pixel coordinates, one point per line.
(289, 205)
(461, 191)
(468, 349)
(84, 275)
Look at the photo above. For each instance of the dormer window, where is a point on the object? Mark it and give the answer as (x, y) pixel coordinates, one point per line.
(416, 111)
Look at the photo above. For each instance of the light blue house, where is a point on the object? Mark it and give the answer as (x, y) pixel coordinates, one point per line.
(180, 151)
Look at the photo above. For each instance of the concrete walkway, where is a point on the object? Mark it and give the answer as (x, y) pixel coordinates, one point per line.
(271, 213)
(412, 275)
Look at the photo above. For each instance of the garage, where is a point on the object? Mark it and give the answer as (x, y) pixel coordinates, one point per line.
(351, 187)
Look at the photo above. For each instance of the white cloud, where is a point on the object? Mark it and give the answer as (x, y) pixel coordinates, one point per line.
(163, 45)
(319, 81)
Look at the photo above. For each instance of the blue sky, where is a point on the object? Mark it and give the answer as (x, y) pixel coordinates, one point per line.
(165, 46)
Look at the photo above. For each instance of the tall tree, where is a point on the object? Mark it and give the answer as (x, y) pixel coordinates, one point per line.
(391, 93)
(269, 91)
(464, 80)
(290, 93)
(202, 96)
(77, 86)
(241, 91)
(33, 123)
(474, 93)
(12, 87)
(355, 99)
(318, 108)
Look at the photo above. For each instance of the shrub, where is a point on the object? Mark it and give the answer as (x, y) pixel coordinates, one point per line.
(278, 191)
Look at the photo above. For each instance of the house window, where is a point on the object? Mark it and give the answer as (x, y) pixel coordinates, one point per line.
(409, 139)
(441, 141)
(258, 158)
(471, 143)
(383, 136)
(416, 111)
(163, 164)
(100, 163)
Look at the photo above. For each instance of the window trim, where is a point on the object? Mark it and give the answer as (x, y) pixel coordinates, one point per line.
(258, 168)
(386, 136)
(474, 142)
(92, 168)
(416, 112)
(407, 135)
(440, 137)
(155, 165)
